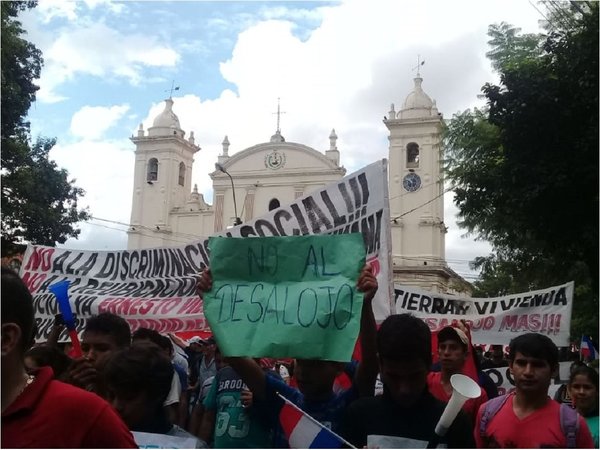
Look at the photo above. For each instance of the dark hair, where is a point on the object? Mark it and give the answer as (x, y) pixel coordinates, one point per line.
(17, 306)
(166, 344)
(148, 335)
(141, 368)
(111, 324)
(534, 345)
(586, 371)
(45, 355)
(404, 336)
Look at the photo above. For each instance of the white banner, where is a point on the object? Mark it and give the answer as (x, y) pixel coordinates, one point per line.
(505, 383)
(155, 288)
(494, 320)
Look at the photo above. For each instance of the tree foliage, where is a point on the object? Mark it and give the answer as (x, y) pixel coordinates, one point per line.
(39, 202)
(525, 168)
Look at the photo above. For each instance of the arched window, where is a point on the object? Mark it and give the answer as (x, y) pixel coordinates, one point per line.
(181, 174)
(412, 155)
(152, 174)
(274, 204)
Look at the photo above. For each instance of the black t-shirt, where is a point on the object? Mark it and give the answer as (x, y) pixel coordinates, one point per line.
(382, 416)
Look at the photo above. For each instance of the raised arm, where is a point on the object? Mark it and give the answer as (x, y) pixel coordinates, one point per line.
(366, 372)
(177, 340)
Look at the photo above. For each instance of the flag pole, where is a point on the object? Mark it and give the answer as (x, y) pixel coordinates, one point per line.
(316, 422)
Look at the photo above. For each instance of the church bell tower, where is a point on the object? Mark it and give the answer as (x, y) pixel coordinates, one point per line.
(162, 179)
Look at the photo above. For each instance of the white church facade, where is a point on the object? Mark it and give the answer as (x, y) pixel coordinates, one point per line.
(167, 212)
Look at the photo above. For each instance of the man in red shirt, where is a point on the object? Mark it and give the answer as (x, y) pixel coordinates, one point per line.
(37, 411)
(453, 351)
(528, 418)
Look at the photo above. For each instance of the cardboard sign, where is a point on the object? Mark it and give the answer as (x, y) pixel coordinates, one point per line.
(286, 296)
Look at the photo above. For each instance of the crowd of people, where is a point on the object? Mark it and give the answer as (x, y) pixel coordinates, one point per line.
(128, 384)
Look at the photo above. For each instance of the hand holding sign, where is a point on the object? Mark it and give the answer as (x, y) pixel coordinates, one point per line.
(287, 296)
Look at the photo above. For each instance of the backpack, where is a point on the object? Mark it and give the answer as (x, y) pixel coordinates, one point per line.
(569, 419)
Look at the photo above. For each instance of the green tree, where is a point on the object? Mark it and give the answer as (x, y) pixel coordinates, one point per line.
(525, 168)
(39, 202)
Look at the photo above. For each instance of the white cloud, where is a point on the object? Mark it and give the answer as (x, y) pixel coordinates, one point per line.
(102, 52)
(51, 9)
(104, 170)
(90, 122)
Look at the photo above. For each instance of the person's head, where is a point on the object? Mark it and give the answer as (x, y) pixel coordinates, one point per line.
(315, 377)
(453, 349)
(196, 344)
(209, 347)
(17, 318)
(138, 380)
(404, 349)
(167, 345)
(497, 353)
(583, 389)
(533, 361)
(45, 355)
(146, 335)
(104, 334)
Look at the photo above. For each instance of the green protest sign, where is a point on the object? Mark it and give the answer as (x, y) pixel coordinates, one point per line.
(290, 296)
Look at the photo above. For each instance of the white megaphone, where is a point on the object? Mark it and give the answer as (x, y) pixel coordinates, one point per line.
(463, 388)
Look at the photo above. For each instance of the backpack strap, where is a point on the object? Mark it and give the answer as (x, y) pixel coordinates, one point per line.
(569, 423)
(490, 408)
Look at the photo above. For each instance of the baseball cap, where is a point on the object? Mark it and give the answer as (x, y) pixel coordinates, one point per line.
(196, 340)
(453, 333)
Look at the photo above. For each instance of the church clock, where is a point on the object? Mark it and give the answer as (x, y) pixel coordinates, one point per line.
(411, 182)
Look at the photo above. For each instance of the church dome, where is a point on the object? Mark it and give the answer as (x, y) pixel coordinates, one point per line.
(166, 123)
(418, 104)
(167, 118)
(417, 99)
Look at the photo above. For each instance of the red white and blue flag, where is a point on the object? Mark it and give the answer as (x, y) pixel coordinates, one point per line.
(587, 349)
(302, 431)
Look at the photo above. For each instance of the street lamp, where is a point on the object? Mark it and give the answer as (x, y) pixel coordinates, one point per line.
(220, 168)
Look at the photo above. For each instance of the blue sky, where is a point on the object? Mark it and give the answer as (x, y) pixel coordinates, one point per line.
(109, 66)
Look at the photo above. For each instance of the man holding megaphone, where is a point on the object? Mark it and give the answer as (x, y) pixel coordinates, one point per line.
(406, 415)
(453, 352)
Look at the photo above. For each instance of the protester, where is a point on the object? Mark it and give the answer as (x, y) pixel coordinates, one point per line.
(138, 380)
(207, 367)
(315, 378)
(197, 413)
(174, 399)
(228, 420)
(496, 358)
(453, 351)
(103, 335)
(193, 349)
(528, 418)
(583, 390)
(406, 409)
(562, 394)
(44, 355)
(37, 411)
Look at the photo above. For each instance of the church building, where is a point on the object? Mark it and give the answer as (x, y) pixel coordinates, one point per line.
(167, 212)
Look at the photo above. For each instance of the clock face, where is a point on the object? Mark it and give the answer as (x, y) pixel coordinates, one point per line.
(411, 182)
(275, 160)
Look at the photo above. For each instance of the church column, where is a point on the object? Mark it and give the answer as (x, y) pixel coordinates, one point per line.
(219, 201)
(249, 204)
